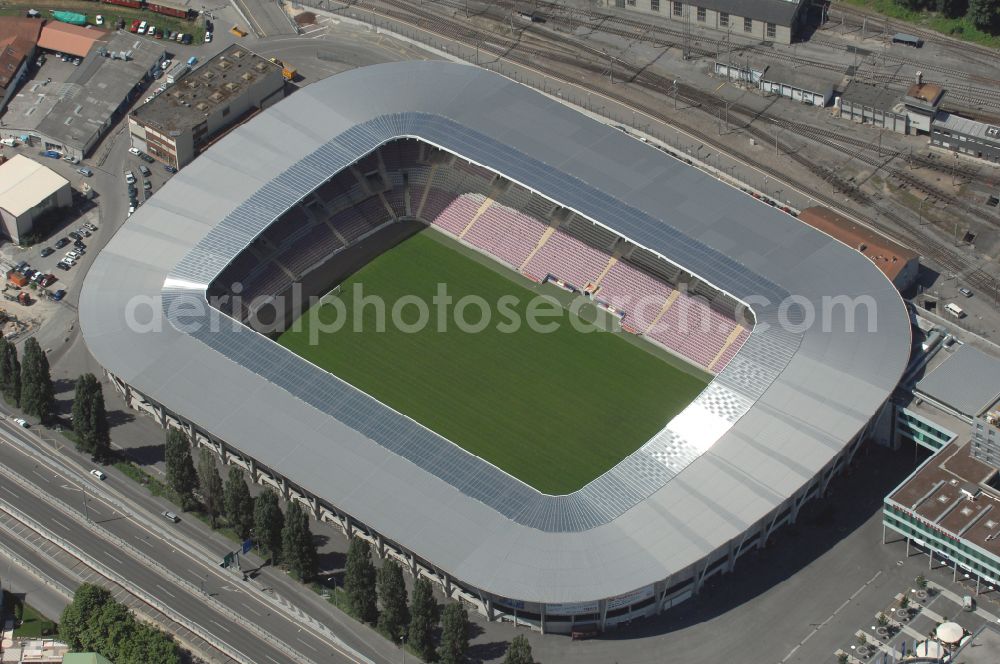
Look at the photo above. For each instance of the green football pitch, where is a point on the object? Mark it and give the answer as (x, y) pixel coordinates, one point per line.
(554, 409)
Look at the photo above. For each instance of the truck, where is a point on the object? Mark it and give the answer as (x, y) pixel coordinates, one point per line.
(954, 310)
(177, 72)
(288, 72)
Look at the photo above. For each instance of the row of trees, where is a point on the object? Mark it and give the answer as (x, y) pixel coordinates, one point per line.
(26, 383)
(96, 622)
(984, 14)
(285, 536)
(417, 620)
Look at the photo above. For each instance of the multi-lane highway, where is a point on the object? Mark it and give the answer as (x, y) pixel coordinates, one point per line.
(126, 539)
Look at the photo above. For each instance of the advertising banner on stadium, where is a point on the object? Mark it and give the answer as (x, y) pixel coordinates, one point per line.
(630, 598)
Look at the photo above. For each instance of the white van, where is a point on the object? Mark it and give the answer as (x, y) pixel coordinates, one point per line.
(954, 310)
(9, 142)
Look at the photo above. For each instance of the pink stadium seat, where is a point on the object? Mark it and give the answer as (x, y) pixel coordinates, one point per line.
(569, 259)
(506, 234)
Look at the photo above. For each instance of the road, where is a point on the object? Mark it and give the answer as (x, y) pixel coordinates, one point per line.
(265, 17)
(138, 544)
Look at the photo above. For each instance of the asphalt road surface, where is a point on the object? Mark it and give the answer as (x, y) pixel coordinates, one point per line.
(65, 485)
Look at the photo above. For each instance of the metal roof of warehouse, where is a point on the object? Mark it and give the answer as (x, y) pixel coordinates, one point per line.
(785, 406)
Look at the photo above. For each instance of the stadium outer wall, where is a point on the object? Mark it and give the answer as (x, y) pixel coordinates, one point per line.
(603, 613)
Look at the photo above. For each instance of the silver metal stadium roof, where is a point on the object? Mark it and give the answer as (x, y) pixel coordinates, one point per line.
(793, 397)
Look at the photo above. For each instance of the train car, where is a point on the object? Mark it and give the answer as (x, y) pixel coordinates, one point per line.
(134, 4)
(169, 11)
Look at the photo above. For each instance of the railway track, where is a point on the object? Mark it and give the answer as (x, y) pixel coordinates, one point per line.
(541, 57)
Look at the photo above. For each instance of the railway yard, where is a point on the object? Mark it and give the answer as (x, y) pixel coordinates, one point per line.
(648, 76)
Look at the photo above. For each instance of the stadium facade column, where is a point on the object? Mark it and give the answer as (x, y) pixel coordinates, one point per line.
(284, 488)
(314, 503)
(541, 612)
(602, 608)
(379, 546)
(254, 472)
(446, 581)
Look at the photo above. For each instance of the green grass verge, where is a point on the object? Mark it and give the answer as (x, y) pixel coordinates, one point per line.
(34, 624)
(152, 484)
(555, 410)
(959, 28)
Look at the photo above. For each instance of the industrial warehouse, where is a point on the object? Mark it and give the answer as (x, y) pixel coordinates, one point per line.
(777, 420)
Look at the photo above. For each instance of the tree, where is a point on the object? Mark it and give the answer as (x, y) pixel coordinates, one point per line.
(394, 616)
(423, 619)
(37, 394)
(210, 484)
(10, 373)
(87, 601)
(952, 8)
(454, 634)
(359, 581)
(181, 475)
(298, 548)
(519, 651)
(90, 419)
(238, 503)
(94, 621)
(984, 14)
(921, 582)
(268, 522)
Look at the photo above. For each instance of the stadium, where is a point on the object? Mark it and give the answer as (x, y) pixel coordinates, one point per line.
(555, 480)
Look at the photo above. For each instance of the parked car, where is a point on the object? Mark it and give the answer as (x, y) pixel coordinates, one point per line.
(99, 474)
(90, 226)
(142, 28)
(58, 295)
(169, 169)
(144, 169)
(79, 244)
(129, 177)
(186, 39)
(76, 62)
(63, 265)
(62, 242)
(47, 279)
(22, 422)
(147, 185)
(151, 31)
(131, 209)
(965, 291)
(47, 251)
(134, 150)
(75, 235)
(99, 20)
(165, 65)
(52, 153)
(208, 36)
(84, 171)
(84, 231)
(142, 155)
(135, 26)
(73, 254)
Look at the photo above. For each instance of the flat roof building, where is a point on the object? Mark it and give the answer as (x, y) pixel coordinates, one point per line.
(770, 20)
(965, 384)
(96, 96)
(865, 103)
(895, 261)
(18, 40)
(174, 127)
(27, 190)
(964, 136)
